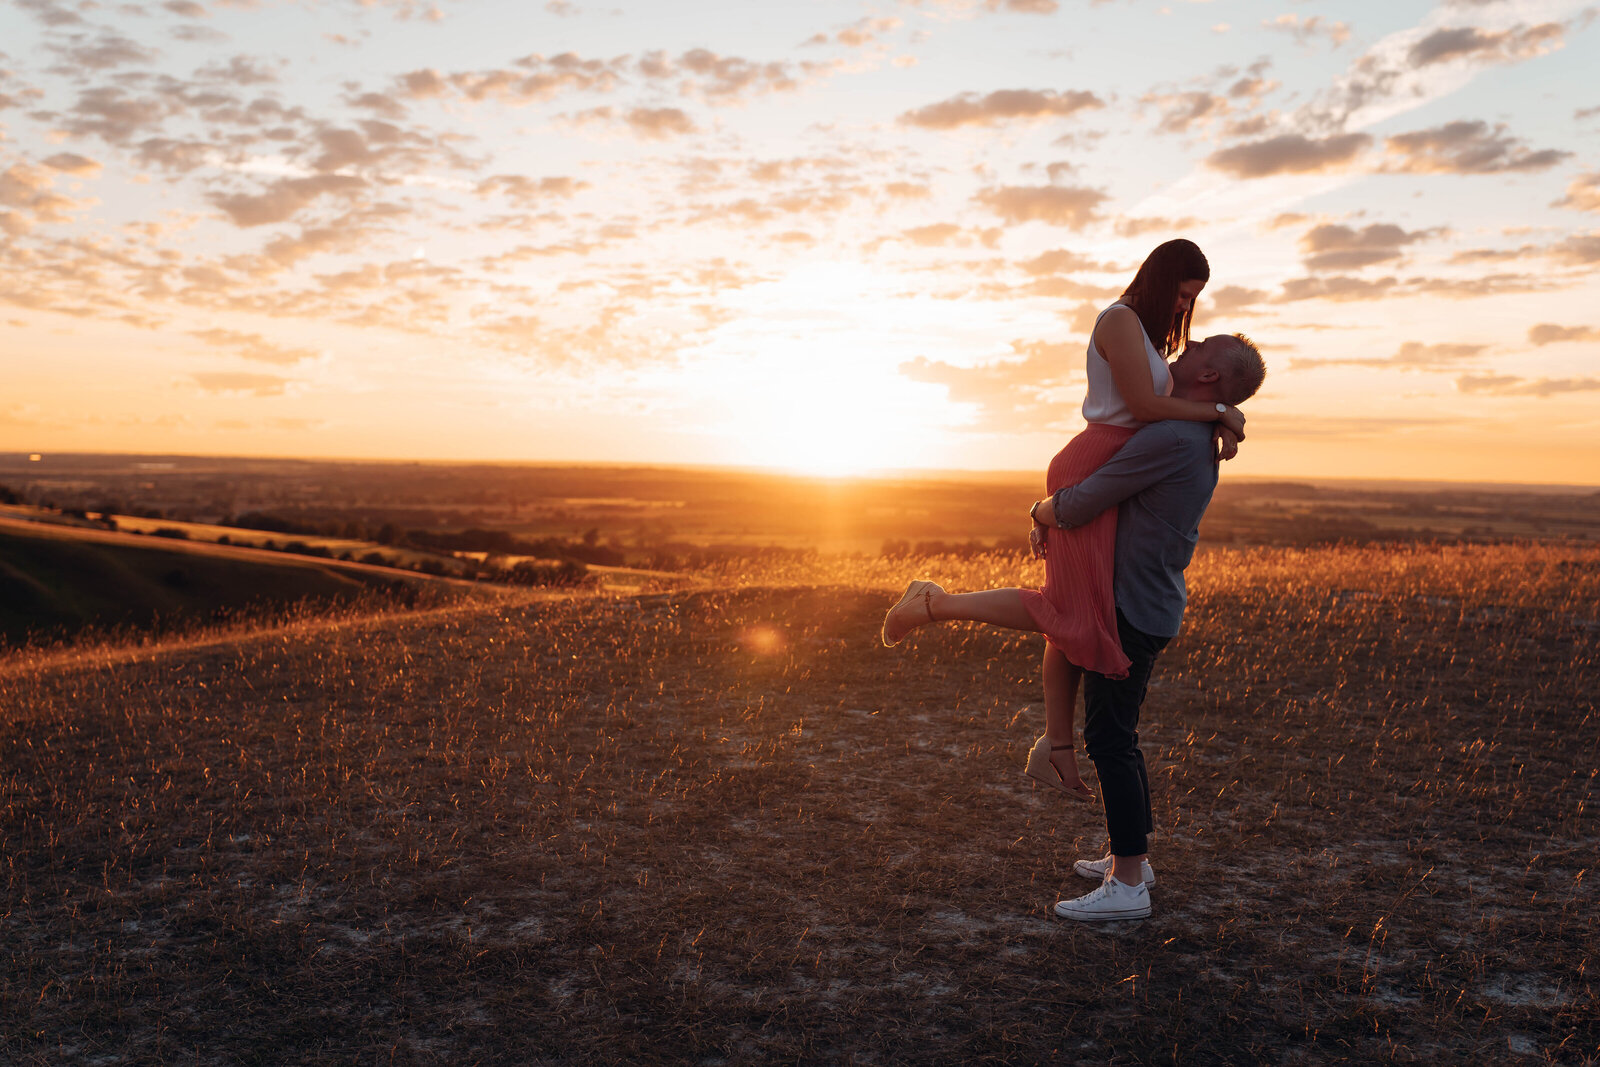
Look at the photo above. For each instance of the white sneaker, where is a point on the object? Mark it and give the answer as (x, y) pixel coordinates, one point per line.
(1097, 869)
(1109, 902)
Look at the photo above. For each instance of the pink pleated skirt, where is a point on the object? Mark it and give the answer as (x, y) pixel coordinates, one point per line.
(1076, 609)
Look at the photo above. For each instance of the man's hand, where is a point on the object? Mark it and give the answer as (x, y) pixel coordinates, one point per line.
(1224, 443)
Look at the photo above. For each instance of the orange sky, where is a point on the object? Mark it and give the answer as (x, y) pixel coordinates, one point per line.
(836, 236)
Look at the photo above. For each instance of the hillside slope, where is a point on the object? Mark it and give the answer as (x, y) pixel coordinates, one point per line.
(55, 581)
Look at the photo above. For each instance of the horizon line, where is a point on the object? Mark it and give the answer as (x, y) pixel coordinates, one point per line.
(8, 456)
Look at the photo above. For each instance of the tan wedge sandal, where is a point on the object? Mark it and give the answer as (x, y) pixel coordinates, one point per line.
(917, 588)
(1042, 770)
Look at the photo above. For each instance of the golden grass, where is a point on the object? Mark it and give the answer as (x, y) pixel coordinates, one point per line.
(722, 825)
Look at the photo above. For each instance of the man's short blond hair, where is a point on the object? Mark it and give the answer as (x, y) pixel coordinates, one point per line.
(1239, 361)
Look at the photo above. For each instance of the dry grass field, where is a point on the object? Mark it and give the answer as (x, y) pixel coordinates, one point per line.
(715, 822)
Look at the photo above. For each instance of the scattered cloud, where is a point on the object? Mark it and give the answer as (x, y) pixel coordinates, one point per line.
(1335, 247)
(74, 164)
(860, 33)
(1235, 298)
(253, 346)
(1017, 394)
(1580, 248)
(1004, 105)
(105, 52)
(1180, 111)
(1289, 153)
(1583, 194)
(1411, 356)
(939, 233)
(1127, 226)
(1305, 30)
(230, 383)
(1057, 205)
(1061, 261)
(1496, 46)
(527, 190)
(283, 198)
(1547, 333)
(1340, 288)
(1509, 385)
(1465, 147)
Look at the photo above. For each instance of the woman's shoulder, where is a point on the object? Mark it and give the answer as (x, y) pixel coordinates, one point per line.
(1119, 318)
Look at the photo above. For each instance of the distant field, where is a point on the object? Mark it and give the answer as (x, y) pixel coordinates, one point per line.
(722, 825)
(649, 512)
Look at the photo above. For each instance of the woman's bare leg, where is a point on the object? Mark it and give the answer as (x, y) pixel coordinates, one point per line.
(997, 607)
(1061, 680)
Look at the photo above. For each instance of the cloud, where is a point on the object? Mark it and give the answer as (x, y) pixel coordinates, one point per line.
(1547, 333)
(107, 51)
(1130, 227)
(1509, 385)
(537, 79)
(1411, 356)
(283, 198)
(659, 123)
(1480, 285)
(1058, 205)
(241, 384)
(115, 117)
(1495, 46)
(1410, 67)
(1334, 247)
(1234, 298)
(939, 233)
(1179, 111)
(239, 70)
(1289, 153)
(74, 164)
(968, 7)
(908, 191)
(50, 12)
(1580, 248)
(1583, 194)
(1465, 147)
(1061, 261)
(1305, 29)
(28, 189)
(859, 33)
(527, 190)
(1340, 288)
(1017, 395)
(970, 109)
(1419, 355)
(253, 346)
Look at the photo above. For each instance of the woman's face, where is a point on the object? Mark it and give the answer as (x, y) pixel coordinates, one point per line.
(1186, 296)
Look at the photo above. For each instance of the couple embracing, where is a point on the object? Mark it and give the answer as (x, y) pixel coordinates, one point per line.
(1116, 532)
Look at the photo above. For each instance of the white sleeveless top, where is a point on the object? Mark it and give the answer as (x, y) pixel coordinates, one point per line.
(1103, 403)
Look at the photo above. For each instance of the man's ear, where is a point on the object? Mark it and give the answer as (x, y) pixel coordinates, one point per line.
(1209, 375)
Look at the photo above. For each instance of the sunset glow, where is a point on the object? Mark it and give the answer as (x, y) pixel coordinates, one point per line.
(833, 237)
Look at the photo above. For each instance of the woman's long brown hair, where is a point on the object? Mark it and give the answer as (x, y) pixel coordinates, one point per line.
(1153, 293)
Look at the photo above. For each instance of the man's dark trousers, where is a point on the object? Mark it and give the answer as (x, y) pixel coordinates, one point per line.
(1111, 737)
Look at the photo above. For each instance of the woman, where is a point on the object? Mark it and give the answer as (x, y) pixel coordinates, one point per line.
(1129, 385)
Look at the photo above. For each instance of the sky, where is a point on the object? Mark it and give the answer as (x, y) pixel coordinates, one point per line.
(830, 236)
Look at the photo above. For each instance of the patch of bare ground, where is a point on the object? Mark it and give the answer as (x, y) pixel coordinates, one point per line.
(724, 826)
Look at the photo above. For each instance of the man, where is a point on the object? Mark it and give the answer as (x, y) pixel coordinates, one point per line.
(1161, 482)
